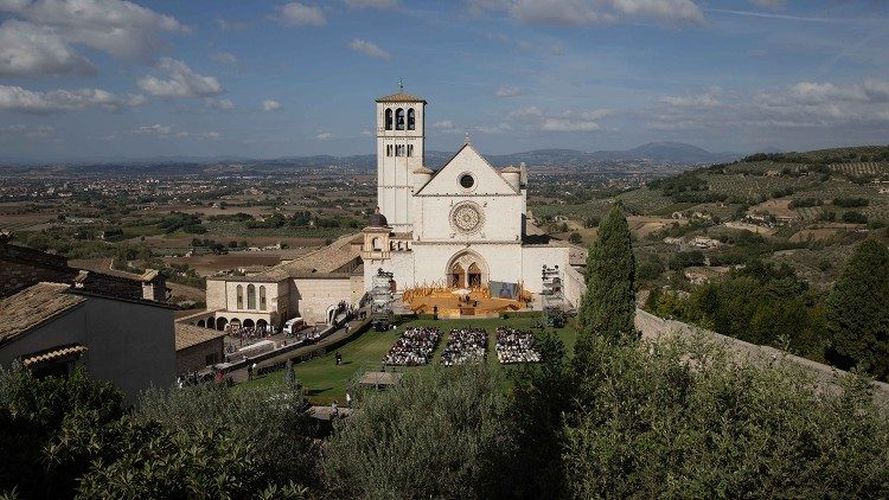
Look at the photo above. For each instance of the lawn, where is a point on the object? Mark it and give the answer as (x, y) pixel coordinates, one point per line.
(325, 381)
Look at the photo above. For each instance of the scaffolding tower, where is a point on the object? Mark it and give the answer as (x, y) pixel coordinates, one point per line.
(382, 297)
(553, 297)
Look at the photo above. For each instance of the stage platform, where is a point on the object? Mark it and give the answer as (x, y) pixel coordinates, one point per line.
(454, 303)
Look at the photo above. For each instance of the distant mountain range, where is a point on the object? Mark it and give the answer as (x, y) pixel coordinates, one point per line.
(654, 153)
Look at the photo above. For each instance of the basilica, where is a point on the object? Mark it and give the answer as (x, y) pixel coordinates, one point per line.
(463, 226)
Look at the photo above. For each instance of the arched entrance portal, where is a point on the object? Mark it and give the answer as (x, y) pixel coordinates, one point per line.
(261, 324)
(220, 323)
(456, 276)
(467, 269)
(248, 323)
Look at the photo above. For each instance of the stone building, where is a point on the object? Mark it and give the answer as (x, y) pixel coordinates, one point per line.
(463, 226)
(50, 328)
(197, 348)
(54, 317)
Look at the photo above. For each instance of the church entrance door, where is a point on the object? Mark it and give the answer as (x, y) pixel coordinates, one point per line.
(457, 277)
(475, 276)
(467, 269)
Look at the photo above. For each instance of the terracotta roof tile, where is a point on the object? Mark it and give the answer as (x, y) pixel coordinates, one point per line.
(34, 306)
(401, 97)
(190, 335)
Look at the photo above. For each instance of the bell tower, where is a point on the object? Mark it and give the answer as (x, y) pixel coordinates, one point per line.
(401, 134)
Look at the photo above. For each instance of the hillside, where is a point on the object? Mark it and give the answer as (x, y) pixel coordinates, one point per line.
(649, 155)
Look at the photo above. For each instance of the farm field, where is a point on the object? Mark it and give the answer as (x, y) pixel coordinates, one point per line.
(326, 382)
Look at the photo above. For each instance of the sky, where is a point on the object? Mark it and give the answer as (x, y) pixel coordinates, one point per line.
(92, 79)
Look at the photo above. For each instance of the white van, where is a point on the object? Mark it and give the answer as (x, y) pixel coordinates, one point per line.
(294, 325)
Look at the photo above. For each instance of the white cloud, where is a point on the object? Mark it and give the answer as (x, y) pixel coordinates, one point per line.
(367, 133)
(297, 14)
(179, 81)
(29, 132)
(14, 98)
(369, 49)
(224, 58)
(170, 131)
(771, 4)
(708, 99)
(156, 130)
(567, 121)
(585, 12)
(221, 104)
(507, 91)
(27, 49)
(231, 26)
(443, 125)
(494, 129)
(801, 105)
(270, 105)
(373, 4)
(323, 136)
(120, 28)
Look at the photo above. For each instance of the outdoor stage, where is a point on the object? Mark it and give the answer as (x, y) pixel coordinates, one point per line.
(462, 302)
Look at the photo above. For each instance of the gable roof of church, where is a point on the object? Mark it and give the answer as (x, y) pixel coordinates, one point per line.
(447, 163)
(401, 97)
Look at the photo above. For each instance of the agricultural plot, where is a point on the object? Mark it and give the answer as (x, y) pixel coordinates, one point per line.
(647, 201)
(862, 168)
(752, 187)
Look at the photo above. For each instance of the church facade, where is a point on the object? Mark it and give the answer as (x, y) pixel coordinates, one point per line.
(463, 226)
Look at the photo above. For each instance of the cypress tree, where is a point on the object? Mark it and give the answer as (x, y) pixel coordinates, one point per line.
(609, 304)
(858, 311)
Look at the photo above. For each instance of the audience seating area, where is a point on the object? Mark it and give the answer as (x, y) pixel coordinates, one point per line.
(516, 346)
(414, 347)
(465, 345)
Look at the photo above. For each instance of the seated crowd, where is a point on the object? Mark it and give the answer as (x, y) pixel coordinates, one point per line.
(248, 334)
(515, 346)
(465, 345)
(414, 347)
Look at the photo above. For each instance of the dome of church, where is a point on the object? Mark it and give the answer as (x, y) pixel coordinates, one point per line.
(377, 220)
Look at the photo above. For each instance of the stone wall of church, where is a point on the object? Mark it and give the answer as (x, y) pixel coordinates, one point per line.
(316, 295)
(216, 295)
(503, 261)
(533, 260)
(502, 218)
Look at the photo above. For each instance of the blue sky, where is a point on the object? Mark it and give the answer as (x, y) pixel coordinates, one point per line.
(111, 79)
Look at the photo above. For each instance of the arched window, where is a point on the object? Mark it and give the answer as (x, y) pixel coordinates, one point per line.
(411, 120)
(388, 150)
(388, 118)
(376, 244)
(399, 119)
(410, 150)
(251, 297)
(240, 294)
(262, 298)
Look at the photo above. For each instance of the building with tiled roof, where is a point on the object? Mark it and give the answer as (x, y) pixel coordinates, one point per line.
(463, 226)
(197, 347)
(50, 328)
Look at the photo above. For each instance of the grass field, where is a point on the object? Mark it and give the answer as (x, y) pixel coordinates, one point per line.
(326, 382)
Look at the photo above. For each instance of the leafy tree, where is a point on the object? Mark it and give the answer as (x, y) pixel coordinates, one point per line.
(858, 311)
(39, 417)
(440, 434)
(272, 419)
(683, 418)
(575, 238)
(542, 392)
(609, 306)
